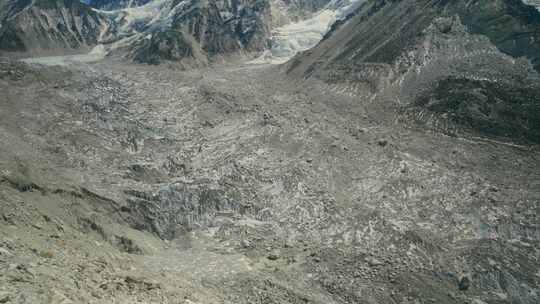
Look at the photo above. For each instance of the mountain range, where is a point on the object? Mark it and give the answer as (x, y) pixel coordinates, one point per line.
(145, 31)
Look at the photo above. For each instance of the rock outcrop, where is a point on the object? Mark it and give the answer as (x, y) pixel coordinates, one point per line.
(179, 208)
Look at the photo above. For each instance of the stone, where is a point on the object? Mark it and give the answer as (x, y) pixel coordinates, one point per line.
(374, 262)
(274, 255)
(5, 297)
(245, 243)
(444, 25)
(5, 252)
(464, 283)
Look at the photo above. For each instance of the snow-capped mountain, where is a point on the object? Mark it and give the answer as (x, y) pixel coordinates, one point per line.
(189, 31)
(192, 31)
(163, 26)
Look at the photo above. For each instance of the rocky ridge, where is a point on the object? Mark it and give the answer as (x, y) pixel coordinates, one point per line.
(450, 67)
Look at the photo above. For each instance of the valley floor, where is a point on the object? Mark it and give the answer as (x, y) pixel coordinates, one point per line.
(235, 184)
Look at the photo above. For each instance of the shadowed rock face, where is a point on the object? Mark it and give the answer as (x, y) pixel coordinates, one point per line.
(169, 45)
(496, 109)
(513, 27)
(250, 22)
(227, 26)
(410, 51)
(212, 28)
(50, 24)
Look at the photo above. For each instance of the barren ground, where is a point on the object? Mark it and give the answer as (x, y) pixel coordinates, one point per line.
(234, 184)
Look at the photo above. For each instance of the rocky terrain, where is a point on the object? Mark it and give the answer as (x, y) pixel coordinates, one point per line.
(365, 170)
(452, 66)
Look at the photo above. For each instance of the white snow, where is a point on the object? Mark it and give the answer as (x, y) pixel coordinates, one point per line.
(293, 38)
(296, 37)
(157, 13)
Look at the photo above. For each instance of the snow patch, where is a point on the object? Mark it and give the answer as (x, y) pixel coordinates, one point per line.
(293, 38)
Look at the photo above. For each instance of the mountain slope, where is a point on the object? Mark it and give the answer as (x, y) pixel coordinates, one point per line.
(440, 62)
(50, 25)
(214, 27)
(8, 8)
(201, 30)
(193, 32)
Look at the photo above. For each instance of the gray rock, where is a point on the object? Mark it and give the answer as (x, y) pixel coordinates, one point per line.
(382, 142)
(375, 262)
(464, 283)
